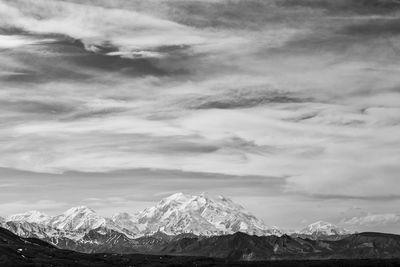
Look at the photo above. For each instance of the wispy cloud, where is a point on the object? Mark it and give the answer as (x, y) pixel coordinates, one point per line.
(303, 92)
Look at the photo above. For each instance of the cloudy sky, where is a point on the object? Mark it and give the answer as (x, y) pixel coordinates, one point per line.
(291, 108)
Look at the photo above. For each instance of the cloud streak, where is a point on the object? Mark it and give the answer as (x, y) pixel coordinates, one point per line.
(303, 92)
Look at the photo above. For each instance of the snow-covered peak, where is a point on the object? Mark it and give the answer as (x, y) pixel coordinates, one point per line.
(196, 202)
(178, 197)
(30, 217)
(78, 219)
(323, 228)
(175, 199)
(179, 213)
(199, 214)
(78, 210)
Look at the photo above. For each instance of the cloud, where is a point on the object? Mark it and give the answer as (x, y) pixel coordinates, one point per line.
(218, 95)
(388, 222)
(137, 33)
(14, 41)
(374, 27)
(347, 6)
(5, 185)
(243, 99)
(132, 189)
(40, 106)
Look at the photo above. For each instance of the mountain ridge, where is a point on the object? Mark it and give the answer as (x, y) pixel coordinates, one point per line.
(176, 217)
(173, 215)
(17, 251)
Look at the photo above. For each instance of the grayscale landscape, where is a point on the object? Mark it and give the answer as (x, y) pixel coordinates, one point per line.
(199, 132)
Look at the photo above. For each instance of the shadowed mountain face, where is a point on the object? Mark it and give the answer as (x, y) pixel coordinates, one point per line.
(244, 247)
(16, 251)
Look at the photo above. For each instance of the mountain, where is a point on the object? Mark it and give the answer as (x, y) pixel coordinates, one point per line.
(24, 252)
(240, 246)
(99, 240)
(200, 215)
(235, 247)
(30, 217)
(227, 250)
(29, 229)
(321, 229)
(126, 222)
(177, 214)
(78, 219)
(175, 217)
(367, 245)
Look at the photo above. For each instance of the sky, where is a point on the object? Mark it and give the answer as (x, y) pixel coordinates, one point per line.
(290, 108)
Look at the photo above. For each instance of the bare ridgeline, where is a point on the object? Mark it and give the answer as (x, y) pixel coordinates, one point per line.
(184, 230)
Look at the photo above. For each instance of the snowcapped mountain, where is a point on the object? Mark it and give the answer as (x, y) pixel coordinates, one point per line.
(30, 217)
(78, 219)
(29, 229)
(200, 215)
(177, 214)
(174, 217)
(321, 228)
(82, 229)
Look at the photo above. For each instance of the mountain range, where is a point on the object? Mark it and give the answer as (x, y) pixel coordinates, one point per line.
(366, 249)
(17, 251)
(201, 226)
(179, 213)
(174, 218)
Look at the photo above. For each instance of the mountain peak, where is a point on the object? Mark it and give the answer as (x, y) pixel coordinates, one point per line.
(79, 209)
(323, 228)
(177, 197)
(32, 216)
(321, 224)
(179, 213)
(199, 214)
(79, 218)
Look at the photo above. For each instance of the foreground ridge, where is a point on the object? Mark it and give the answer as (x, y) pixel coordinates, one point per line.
(366, 249)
